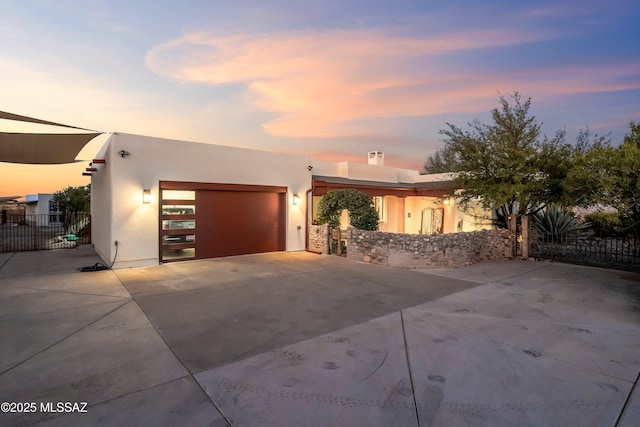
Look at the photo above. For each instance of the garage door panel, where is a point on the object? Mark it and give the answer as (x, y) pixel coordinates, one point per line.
(239, 222)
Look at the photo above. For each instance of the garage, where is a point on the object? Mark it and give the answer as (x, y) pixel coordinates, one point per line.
(209, 220)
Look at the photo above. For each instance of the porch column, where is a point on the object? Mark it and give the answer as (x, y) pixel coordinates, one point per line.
(449, 213)
(400, 213)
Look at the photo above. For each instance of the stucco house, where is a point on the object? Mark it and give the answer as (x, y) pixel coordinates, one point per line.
(165, 200)
(42, 210)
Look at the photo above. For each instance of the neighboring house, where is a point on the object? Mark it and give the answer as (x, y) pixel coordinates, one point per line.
(164, 200)
(41, 210)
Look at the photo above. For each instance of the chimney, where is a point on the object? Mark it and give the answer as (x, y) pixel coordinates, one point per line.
(376, 158)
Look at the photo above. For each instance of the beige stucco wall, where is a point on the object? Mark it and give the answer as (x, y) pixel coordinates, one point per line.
(389, 221)
(117, 208)
(367, 172)
(474, 217)
(314, 208)
(413, 212)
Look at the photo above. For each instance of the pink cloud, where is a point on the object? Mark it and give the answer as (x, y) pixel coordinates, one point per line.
(322, 83)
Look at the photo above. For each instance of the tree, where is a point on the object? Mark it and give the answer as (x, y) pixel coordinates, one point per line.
(592, 162)
(627, 177)
(608, 175)
(73, 200)
(508, 165)
(633, 138)
(362, 213)
(441, 161)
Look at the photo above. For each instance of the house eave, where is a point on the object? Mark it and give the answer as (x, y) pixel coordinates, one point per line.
(324, 184)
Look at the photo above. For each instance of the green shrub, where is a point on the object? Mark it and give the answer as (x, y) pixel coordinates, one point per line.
(362, 214)
(605, 224)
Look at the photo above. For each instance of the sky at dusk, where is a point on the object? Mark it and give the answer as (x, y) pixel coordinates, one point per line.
(328, 79)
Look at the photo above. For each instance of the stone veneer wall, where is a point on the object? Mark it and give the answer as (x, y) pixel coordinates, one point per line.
(428, 251)
(320, 238)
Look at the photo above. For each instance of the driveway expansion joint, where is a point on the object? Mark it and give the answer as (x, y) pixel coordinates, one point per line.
(406, 352)
(64, 338)
(62, 291)
(627, 400)
(190, 373)
(7, 260)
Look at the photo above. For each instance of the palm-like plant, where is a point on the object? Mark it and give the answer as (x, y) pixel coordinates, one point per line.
(555, 220)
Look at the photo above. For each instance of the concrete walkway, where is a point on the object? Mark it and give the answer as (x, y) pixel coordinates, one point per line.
(294, 339)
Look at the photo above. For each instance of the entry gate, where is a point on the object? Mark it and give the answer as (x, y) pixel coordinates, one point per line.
(35, 232)
(581, 248)
(338, 242)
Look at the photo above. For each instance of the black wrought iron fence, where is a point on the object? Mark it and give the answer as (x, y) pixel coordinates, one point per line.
(35, 232)
(581, 248)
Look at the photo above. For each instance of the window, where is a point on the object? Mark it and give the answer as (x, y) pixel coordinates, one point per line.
(178, 195)
(177, 225)
(174, 239)
(178, 210)
(175, 254)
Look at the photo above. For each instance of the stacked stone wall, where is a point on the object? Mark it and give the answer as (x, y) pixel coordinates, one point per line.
(428, 251)
(319, 238)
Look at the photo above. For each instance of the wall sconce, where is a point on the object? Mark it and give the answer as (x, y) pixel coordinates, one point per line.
(296, 200)
(447, 201)
(147, 197)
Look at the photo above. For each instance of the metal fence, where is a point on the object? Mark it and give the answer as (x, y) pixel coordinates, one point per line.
(580, 248)
(35, 232)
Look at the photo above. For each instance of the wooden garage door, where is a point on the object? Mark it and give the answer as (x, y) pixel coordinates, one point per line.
(207, 220)
(239, 222)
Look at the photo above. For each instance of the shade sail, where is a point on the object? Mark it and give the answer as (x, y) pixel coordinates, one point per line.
(19, 118)
(42, 148)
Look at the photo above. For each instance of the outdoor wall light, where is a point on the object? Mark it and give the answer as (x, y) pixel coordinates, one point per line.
(296, 200)
(147, 197)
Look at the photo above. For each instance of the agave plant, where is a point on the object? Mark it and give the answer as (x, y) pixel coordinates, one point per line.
(555, 220)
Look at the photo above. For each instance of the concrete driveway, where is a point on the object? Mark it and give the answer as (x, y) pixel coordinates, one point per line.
(290, 339)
